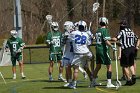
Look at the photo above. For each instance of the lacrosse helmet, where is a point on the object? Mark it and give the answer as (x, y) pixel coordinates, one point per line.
(68, 26)
(103, 21)
(54, 26)
(13, 33)
(82, 25)
(76, 25)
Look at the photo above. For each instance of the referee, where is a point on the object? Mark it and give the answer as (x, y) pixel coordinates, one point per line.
(127, 39)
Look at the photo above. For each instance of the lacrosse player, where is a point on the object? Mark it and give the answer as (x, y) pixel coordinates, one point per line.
(16, 45)
(102, 55)
(68, 50)
(80, 42)
(54, 39)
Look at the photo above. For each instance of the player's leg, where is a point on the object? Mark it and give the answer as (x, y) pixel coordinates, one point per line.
(109, 76)
(20, 60)
(13, 59)
(50, 69)
(59, 59)
(83, 72)
(75, 64)
(96, 70)
(107, 62)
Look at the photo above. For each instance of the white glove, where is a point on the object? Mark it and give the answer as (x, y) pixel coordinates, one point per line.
(53, 42)
(113, 47)
(19, 50)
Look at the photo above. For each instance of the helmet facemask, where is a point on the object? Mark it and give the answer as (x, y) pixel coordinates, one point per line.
(54, 26)
(13, 33)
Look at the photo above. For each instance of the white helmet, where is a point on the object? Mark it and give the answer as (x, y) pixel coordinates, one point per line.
(82, 25)
(68, 26)
(13, 33)
(76, 25)
(55, 26)
(104, 20)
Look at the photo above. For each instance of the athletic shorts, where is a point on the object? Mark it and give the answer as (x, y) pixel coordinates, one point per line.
(67, 58)
(103, 58)
(16, 58)
(128, 56)
(55, 57)
(81, 59)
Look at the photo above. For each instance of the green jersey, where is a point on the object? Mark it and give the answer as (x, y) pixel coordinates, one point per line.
(102, 55)
(101, 36)
(56, 38)
(14, 44)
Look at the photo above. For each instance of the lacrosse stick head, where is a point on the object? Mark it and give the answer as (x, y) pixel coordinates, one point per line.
(49, 18)
(95, 7)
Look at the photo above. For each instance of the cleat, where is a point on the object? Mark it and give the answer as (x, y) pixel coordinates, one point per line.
(133, 79)
(72, 86)
(94, 84)
(23, 77)
(50, 79)
(14, 77)
(62, 79)
(66, 85)
(128, 83)
(110, 86)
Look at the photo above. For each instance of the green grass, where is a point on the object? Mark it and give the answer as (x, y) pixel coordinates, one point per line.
(37, 81)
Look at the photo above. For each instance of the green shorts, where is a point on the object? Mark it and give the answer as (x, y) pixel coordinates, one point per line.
(18, 58)
(103, 58)
(55, 57)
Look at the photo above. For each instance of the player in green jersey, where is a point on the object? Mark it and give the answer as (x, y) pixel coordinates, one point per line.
(16, 45)
(54, 39)
(102, 53)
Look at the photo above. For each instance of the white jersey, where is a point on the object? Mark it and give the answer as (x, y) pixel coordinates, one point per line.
(90, 37)
(80, 41)
(67, 51)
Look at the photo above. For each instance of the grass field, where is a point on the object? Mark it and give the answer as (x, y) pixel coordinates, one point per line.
(37, 81)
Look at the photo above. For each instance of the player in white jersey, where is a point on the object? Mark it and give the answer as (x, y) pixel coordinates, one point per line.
(68, 51)
(80, 40)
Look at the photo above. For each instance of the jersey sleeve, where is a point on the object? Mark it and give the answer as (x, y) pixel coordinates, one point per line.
(106, 35)
(21, 42)
(48, 38)
(119, 35)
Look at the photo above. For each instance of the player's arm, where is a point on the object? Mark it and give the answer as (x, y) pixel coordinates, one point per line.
(138, 43)
(22, 45)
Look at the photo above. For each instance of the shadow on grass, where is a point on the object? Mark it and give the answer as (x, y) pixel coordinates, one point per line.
(44, 81)
(62, 87)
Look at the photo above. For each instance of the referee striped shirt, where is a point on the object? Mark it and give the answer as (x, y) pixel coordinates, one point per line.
(127, 38)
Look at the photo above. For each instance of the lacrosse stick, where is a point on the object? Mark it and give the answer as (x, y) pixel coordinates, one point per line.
(118, 83)
(2, 77)
(94, 9)
(49, 19)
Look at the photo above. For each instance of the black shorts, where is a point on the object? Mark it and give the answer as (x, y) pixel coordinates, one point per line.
(128, 56)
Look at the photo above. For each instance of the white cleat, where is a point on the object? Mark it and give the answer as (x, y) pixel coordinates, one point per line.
(110, 85)
(23, 77)
(14, 77)
(66, 85)
(62, 79)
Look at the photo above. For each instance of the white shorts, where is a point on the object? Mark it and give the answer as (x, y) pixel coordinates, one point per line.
(67, 60)
(81, 59)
